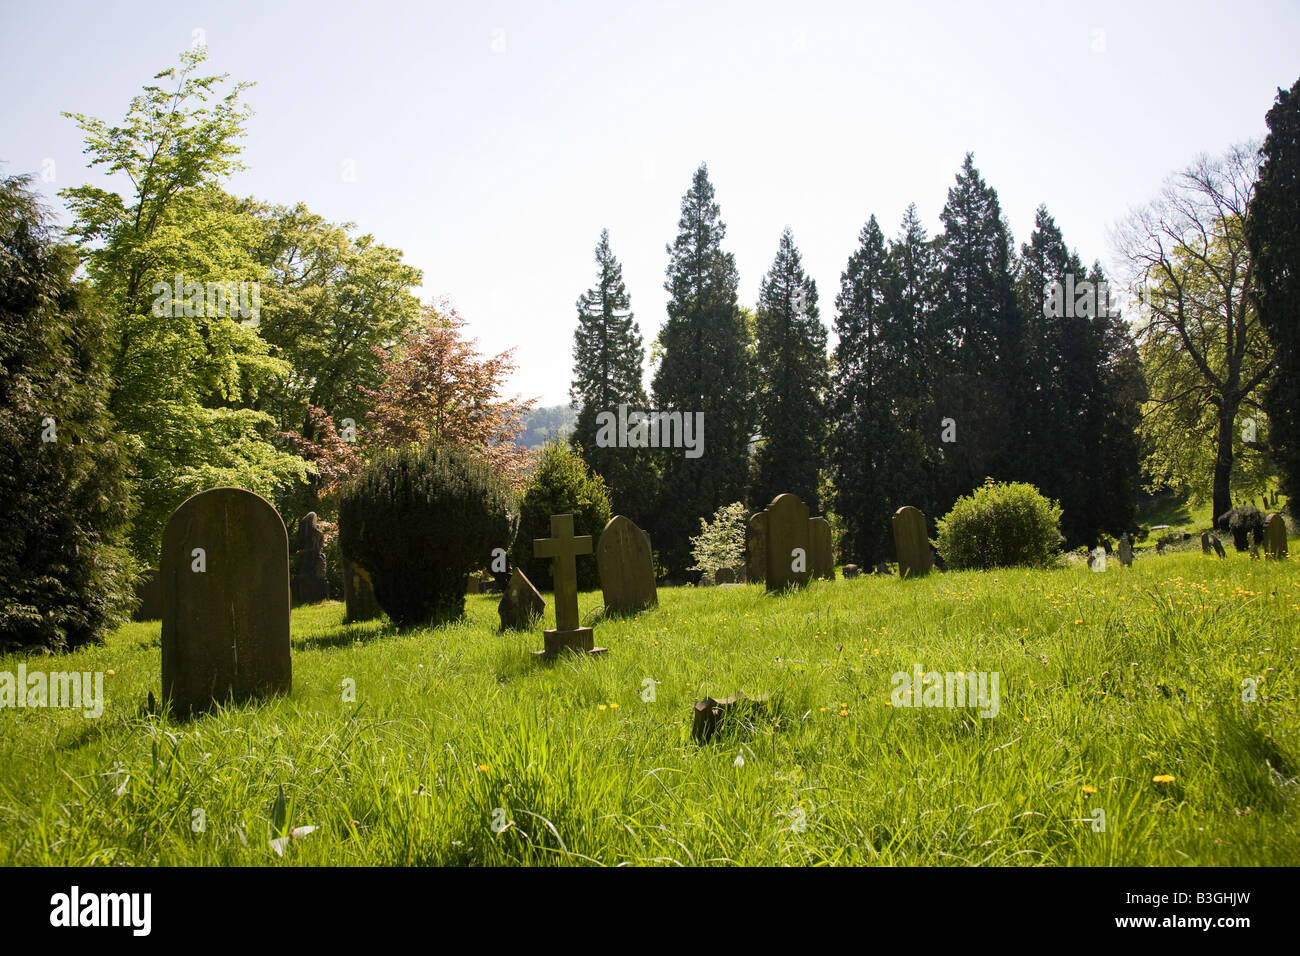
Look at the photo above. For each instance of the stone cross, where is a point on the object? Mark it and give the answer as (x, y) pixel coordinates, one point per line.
(563, 548)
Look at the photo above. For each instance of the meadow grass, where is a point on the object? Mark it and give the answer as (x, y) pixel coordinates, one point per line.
(462, 748)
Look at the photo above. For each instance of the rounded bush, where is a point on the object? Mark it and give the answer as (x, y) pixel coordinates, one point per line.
(419, 520)
(1000, 526)
(562, 484)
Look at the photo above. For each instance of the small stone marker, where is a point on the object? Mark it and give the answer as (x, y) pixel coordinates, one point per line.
(1275, 537)
(823, 552)
(473, 584)
(1205, 542)
(710, 713)
(313, 587)
(911, 542)
(1125, 551)
(358, 593)
(1218, 547)
(1160, 546)
(225, 601)
(724, 576)
(148, 590)
(851, 571)
(626, 566)
(563, 548)
(788, 544)
(520, 605)
(756, 548)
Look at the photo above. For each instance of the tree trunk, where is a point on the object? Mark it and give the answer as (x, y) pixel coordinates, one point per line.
(1223, 464)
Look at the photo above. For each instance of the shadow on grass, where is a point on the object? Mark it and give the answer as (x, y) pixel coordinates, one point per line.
(346, 635)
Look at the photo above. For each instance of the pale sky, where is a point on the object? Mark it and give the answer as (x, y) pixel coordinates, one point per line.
(492, 142)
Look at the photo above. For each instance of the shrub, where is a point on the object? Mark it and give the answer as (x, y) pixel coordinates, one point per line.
(64, 493)
(999, 526)
(419, 520)
(720, 544)
(1243, 521)
(561, 484)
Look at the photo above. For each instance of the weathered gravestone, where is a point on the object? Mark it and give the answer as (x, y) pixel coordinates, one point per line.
(911, 542)
(473, 583)
(626, 567)
(724, 576)
(1275, 537)
(312, 584)
(520, 605)
(822, 553)
(225, 601)
(358, 593)
(787, 543)
(1218, 546)
(1205, 542)
(149, 593)
(563, 548)
(756, 548)
(851, 571)
(1125, 551)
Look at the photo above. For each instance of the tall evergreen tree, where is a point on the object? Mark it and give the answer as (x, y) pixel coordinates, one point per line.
(608, 352)
(982, 389)
(793, 380)
(705, 368)
(1273, 237)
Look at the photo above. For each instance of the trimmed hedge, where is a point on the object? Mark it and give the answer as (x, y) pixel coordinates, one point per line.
(1000, 526)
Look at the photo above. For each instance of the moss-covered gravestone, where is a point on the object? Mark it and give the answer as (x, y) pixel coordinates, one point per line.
(358, 593)
(520, 605)
(911, 543)
(626, 566)
(1275, 537)
(225, 601)
(822, 551)
(756, 548)
(788, 543)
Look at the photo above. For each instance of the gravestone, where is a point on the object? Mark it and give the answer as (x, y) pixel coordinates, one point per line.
(563, 548)
(851, 571)
(911, 542)
(358, 593)
(1160, 546)
(1218, 547)
(883, 568)
(787, 543)
(1205, 542)
(724, 576)
(149, 592)
(756, 547)
(225, 601)
(822, 552)
(312, 584)
(626, 566)
(473, 584)
(1125, 551)
(1275, 537)
(520, 605)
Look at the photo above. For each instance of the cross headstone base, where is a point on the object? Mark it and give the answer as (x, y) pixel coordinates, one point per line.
(580, 639)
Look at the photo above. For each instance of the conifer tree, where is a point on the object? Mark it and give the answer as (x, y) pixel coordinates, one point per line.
(704, 368)
(792, 377)
(608, 352)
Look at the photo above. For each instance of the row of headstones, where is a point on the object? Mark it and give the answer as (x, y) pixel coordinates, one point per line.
(1275, 544)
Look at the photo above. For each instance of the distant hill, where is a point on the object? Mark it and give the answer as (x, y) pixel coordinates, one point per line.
(543, 424)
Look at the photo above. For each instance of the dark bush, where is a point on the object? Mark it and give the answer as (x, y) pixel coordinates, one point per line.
(1241, 522)
(64, 496)
(562, 484)
(419, 520)
(999, 526)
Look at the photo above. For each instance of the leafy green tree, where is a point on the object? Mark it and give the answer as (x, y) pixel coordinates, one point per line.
(1273, 238)
(186, 376)
(705, 367)
(608, 352)
(792, 377)
(1203, 349)
(560, 484)
(63, 491)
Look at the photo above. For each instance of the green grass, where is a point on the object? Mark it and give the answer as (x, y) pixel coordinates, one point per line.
(1106, 681)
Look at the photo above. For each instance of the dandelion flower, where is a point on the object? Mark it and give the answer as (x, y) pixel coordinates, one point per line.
(613, 706)
(1089, 791)
(1163, 778)
(600, 706)
(482, 768)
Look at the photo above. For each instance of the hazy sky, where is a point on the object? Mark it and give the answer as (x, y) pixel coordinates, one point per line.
(492, 142)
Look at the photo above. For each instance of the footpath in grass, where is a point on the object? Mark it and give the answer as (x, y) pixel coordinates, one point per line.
(1145, 715)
